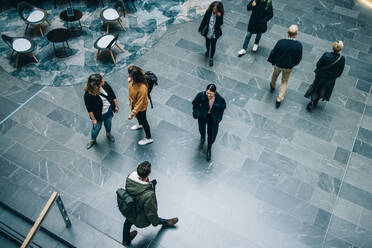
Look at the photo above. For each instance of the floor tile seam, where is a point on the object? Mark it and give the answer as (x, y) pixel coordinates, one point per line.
(23, 104)
(342, 182)
(317, 152)
(289, 212)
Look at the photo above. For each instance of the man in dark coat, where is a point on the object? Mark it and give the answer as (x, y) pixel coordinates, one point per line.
(262, 12)
(329, 67)
(138, 184)
(286, 54)
(208, 108)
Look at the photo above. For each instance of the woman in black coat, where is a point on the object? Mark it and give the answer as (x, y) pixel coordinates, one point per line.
(329, 67)
(210, 28)
(208, 107)
(100, 101)
(262, 12)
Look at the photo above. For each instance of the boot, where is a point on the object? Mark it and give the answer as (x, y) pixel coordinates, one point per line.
(209, 154)
(132, 235)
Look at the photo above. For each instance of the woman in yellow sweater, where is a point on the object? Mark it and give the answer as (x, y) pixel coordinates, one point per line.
(138, 100)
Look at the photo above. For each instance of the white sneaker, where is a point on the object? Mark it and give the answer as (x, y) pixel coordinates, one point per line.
(145, 141)
(255, 47)
(136, 127)
(242, 52)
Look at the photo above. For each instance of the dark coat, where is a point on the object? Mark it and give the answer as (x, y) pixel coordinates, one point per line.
(200, 107)
(217, 26)
(261, 14)
(287, 53)
(325, 79)
(146, 203)
(94, 104)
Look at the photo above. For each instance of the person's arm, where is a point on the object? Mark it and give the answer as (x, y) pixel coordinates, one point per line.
(151, 210)
(196, 106)
(299, 55)
(203, 23)
(219, 19)
(251, 5)
(91, 115)
(341, 66)
(142, 96)
(116, 105)
(89, 108)
(273, 53)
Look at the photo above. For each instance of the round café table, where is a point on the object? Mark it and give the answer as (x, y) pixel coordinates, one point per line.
(60, 35)
(77, 14)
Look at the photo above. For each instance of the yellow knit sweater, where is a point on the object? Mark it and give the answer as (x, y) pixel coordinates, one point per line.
(138, 97)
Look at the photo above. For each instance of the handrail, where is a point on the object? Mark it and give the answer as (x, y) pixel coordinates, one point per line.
(43, 214)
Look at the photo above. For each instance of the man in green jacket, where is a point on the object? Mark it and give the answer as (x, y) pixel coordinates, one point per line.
(138, 183)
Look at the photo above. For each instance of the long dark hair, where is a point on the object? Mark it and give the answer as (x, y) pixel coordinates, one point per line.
(137, 74)
(219, 7)
(211, 87)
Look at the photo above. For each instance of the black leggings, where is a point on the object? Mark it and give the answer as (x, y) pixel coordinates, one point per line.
(142, 120)
(212, 129)
(212, 44)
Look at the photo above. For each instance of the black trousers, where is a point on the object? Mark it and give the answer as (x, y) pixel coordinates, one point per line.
(211, 45)
(141, 117)
(212, 129)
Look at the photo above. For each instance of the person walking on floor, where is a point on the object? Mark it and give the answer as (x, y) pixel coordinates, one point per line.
(286, 54)
(139, 185)
(329, 67)
(100, 101)
(208, 108)
(262, 12)
(210, 28)
(139, 101)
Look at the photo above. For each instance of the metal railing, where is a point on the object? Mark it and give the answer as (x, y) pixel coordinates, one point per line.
(55, 197)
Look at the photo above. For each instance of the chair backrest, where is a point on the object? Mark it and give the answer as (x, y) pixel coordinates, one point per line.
(8, 40)
(113, 41)
(24, 9)
(119, 6)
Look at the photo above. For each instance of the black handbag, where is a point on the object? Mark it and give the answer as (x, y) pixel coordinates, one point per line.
(204, 30)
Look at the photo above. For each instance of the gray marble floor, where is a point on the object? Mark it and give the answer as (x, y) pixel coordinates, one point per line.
(278, 177)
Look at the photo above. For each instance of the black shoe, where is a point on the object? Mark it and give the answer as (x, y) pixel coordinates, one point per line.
(210, 62)
(207, 54)
(90, 144)
(272, 89)
(110, 138)
(309, 107)
(277, 104)
(208, 154)
(132, 235)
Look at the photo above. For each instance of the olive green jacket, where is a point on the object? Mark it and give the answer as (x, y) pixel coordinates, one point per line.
(146, 204)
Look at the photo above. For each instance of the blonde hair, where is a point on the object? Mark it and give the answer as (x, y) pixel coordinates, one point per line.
(337, 45)
(292, 30)
(93, 84)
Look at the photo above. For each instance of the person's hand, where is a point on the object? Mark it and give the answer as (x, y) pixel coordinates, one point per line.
(219, 13)
(94, 122)
(130, 117)
(116, 108)
(254, 3)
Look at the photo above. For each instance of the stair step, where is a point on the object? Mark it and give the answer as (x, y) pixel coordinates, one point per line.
(28, 205)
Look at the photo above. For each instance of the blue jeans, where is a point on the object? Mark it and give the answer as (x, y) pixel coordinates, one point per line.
(128, 225)
(106, 119)
(248, 38)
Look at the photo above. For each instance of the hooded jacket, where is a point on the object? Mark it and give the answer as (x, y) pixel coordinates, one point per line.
(146, 203)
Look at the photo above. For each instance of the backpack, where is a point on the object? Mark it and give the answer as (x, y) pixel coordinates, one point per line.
(152, 80)
(127, 203)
